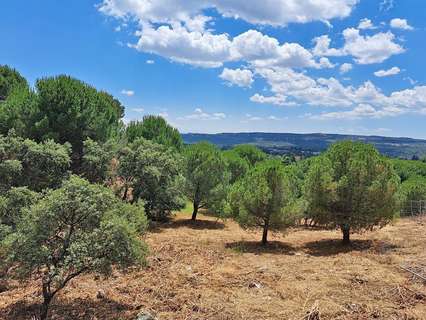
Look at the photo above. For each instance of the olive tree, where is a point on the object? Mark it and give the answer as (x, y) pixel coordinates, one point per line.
(153, 172)
(24, 162)
(76, 229)
(97, 160)
(351, 187)
(265, 198)
(206, 177)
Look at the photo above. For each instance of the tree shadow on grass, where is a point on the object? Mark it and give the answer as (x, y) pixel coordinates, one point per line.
(187, 223)
(273, 247)
(331, 247)
(81, 309)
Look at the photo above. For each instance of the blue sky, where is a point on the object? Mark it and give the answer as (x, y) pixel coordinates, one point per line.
(336, 66)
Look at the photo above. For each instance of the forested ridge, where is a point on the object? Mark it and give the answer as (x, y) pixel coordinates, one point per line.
(79, 188)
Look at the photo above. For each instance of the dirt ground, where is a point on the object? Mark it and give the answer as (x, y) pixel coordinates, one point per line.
(215, 270)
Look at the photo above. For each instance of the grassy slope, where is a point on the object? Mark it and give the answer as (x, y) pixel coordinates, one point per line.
(214, 270)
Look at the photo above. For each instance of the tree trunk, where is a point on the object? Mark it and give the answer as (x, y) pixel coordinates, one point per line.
(346, 234)
(44, 308)
(265, 232)
(195, 211)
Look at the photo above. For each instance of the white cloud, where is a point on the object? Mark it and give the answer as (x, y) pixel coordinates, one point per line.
(199, 114)
(150, 61)
(398, 23)
(181, 45)
(239, 77)
(365, 24)
(128, 93)
(364, 49)
(294, 88)
(279, 100)
(267, 12)
(345, 67)
(385, 73)
(179, 33)
(322, 47)
(370, 49)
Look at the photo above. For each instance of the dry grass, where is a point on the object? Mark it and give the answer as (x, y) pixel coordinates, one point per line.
(214, 270)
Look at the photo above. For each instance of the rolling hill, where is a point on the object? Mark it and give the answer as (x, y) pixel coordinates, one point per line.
(310, 144)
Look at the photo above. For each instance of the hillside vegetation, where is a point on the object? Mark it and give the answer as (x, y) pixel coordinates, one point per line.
(95, 224)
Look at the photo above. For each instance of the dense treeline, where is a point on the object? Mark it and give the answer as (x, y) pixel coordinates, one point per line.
(78, 187)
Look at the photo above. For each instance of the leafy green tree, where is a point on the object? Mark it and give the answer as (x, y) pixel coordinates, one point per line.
(265, 198)
(24, 162)
(97, 160)
(407, 169)
(251, 153)
(13, 202)
(236, 165)
(153, 172)
(71, 111)
(206, 176)
(413, 189)
(18, 112)
(10, 79)
(351, 187)
(154, 128)
(76, 229)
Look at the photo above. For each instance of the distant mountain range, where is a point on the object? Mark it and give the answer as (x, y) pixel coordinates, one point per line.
(310, 144)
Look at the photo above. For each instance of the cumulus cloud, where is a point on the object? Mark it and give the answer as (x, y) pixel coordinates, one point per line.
(366, 24)
(398, 23)
(179, 32)
(370, 49)
(128, 93)
(322, 47)
(239, 77)
(385, 73)
(345, 67)
(365, 49)
(199, 114)
(278, 99)
(290, 87)
(267, 12)
(150, 61)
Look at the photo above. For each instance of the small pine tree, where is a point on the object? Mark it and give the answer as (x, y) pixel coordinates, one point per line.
(265, 198)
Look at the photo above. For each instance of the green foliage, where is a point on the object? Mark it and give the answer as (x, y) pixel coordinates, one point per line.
(206, 177)
(153, 171)
(413, 189)
(407, 169)
(72, 230)
(154, 128)
(96, 162)
(266, 197)
(72, 111)
(24, 162)
(13, 202)
(10, 80)
(236, 165)
(18, 112)
(351, 187)
(250, 152)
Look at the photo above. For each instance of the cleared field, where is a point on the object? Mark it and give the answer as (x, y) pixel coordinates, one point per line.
(214, 270)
